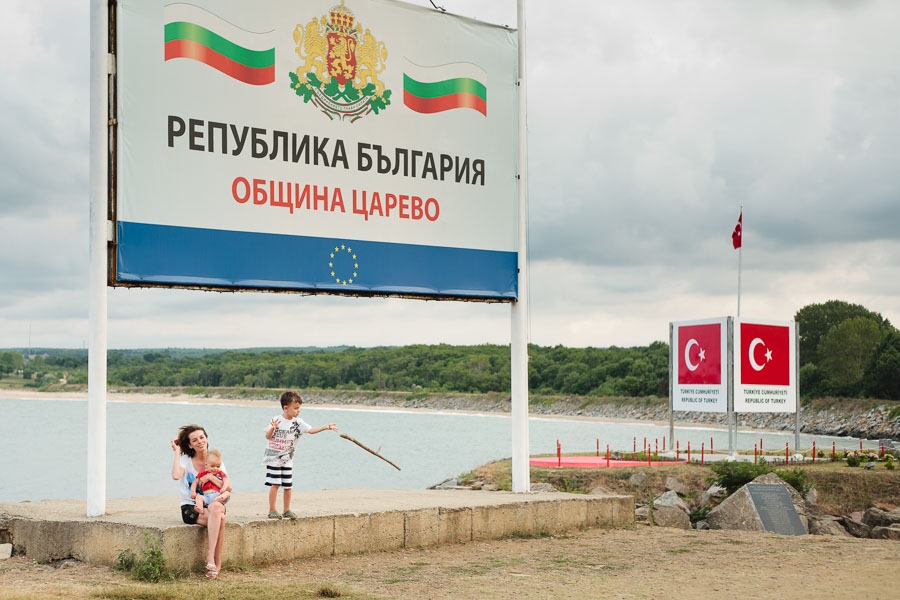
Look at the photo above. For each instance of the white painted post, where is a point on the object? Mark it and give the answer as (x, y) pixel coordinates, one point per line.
(671, 388)
(99, 165)
(521, 479)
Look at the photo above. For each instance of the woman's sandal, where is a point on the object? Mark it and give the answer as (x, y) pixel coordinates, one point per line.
(211, 571)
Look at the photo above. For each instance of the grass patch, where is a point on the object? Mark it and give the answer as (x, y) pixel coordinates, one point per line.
(196, 589)
(846, 490)
(839, 489)
(475, 569)
(525, 535)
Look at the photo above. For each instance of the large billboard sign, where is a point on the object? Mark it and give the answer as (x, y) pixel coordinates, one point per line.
(765, 366)
(333, 146)
(699, 360)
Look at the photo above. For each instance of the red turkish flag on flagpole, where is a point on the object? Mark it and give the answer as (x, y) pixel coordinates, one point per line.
(738, 231)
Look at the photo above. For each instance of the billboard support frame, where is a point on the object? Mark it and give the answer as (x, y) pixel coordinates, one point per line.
(102, 66)
(521, 476)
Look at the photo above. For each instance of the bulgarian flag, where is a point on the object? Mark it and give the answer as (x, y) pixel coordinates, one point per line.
(191, 32)
(445, 87)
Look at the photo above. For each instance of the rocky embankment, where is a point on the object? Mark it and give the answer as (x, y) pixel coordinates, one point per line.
(874, 423)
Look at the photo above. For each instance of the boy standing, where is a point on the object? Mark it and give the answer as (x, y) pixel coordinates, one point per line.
(282, 435)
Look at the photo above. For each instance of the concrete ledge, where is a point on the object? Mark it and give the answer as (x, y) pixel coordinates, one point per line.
(331, 522)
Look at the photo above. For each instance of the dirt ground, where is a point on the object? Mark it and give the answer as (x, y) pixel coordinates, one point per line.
(641, 563)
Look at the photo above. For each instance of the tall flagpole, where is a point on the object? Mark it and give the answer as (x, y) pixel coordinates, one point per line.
(521, 476)
(732, 417)
(740, 249)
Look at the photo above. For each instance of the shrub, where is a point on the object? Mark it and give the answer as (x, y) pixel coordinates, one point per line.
(853, 459)
(150, 566)
(888, 462)
(733, 475)
(328, 591)
(796, 478)
(699, 513)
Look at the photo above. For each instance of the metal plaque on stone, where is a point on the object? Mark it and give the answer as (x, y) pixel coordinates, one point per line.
(775, 509)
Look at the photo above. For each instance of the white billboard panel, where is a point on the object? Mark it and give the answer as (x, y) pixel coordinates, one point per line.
(351, 146)
(765, 366)
(699, 361)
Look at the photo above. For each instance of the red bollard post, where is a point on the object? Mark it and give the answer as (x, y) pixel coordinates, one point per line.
(607, 456)
(648, 456)
(710, 444)
(833, 456)
(645, 444)
(760, 445)
(664, 443)
(656, 444)
(598, 446)
(882, 449)
(860, 445)
(689, 452)
(814, 451)
(558, 454)
(754, 454)
(787, 453)
(702, 453)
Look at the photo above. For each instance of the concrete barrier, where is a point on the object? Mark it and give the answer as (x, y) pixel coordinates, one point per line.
(331, 522)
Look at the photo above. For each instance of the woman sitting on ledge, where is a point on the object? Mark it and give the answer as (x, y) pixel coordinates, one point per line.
(190, 458)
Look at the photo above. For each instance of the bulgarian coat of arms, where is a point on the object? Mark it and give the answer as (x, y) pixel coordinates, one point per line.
(341, 68)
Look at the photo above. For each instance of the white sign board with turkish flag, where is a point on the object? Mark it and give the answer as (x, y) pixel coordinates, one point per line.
(699, 358)
(765, 366)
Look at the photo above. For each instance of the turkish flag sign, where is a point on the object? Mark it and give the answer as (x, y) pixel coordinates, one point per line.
(738, 232)
(700, 354)
(765, 354)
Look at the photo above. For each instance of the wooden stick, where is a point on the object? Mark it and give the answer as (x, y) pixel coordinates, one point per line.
(367, 449)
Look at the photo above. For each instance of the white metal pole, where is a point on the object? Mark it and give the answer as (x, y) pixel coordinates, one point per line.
(796, 375)
(521, 479)
(730, 417)
(99, 123)
(740, 250)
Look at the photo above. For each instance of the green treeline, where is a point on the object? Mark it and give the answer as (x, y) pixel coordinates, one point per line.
(639, 371)
(845, 350)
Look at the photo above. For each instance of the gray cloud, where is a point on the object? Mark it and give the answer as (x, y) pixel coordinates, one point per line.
(650, 124)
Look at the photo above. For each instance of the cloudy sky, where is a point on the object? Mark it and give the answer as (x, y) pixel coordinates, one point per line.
(650, 124)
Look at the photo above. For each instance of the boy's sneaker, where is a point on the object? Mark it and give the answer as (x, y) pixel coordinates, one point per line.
(289, 514)
(274, 515)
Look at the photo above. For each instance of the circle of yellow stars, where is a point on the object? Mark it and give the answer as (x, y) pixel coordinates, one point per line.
(338, 252)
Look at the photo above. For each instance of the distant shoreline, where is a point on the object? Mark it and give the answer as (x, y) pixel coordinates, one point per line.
(143, 397)
(311, 401)
(836, 421)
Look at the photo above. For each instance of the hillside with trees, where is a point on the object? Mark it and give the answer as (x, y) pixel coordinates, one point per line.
(846, 350)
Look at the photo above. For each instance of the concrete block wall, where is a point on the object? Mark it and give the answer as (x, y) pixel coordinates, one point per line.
(262, 541)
